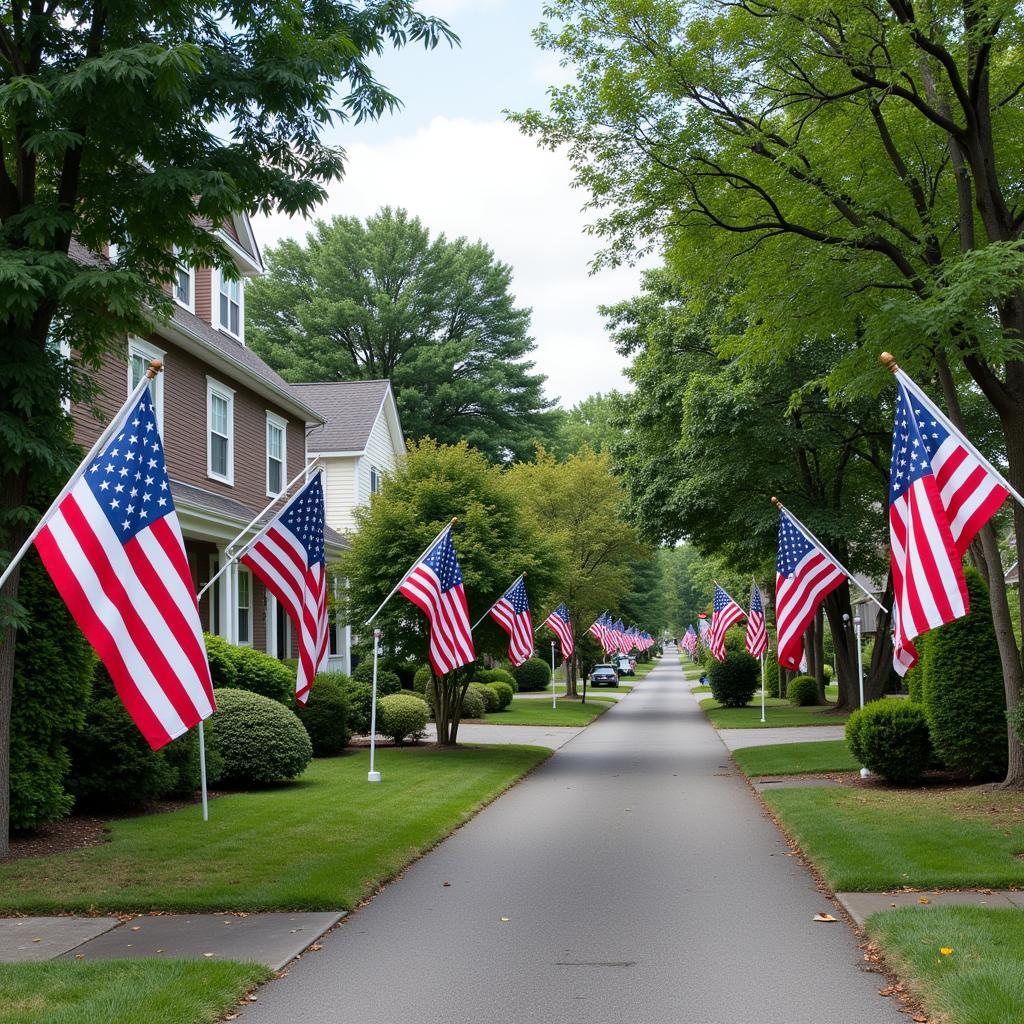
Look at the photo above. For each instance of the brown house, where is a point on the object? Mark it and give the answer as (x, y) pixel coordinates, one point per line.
(234, 436)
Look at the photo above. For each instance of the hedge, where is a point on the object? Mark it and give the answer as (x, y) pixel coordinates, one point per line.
(387, 681)
(890, 738)
(533, 674)
(734, 681)
(492, 702)
(325, 715)
(504, 693)
(402, 716)
(802, 691)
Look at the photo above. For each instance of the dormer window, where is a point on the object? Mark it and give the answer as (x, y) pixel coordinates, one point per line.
(230, 307)
(184, 286)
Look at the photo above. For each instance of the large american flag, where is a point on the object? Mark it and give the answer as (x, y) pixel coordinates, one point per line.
(618, 631)
(434, 584)
(288, 556)
(757, 635)
(115, 552)
(560, 623)
(726, 613)
(512, 612)
(805, 575)
(598, 627)
(940, 495)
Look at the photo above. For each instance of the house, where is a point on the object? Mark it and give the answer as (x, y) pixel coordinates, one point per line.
(234, 436)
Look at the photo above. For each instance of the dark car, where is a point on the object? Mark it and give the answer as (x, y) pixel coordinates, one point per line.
(603, 675)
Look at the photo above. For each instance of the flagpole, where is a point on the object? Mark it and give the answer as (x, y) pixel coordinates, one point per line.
(154, 368)
(828, 554)
(394, 589)
(374, 776)
(890, 363)
(762, 687)
(521, 576)
(202, 770)
(553, 676)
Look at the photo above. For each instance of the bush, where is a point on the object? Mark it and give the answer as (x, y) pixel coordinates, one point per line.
(472, 705)
(387, 681)
(401, 715)
(259, 740)
(533, 674)
(914, 679)
(803, 691)
(734, 680)
(890, 737)
(325, 715)
(260, 673)
(496, 675)
(360, 699)
(491, 700)
(771, 677)
(827, 670)
(963, 691)
(182, 757)
(504, 693)
(424, 674)
(221, 656)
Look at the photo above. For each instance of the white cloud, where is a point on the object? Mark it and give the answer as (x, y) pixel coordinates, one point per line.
(484, 179)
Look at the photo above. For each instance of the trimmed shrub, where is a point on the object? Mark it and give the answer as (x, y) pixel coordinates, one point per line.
(221, 656)
(387, 681)
(401, 716)
(259, 740)
(424, 674)
(734, 681)
(491, 700)
(827, 670)
(360, 699)
(890, 737)
(496, 675)
(325, 715)
(533, 674)
(260, 673)
(771, 677)
(803, 691)
(504, 693)
(472, 705)
(963, 691)
(182, 757)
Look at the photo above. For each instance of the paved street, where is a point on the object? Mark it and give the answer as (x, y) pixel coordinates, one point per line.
(632, 878)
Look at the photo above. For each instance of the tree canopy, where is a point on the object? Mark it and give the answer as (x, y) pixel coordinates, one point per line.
(435, 316)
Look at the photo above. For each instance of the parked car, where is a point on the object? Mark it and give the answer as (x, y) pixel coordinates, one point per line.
(603, 675)
(624, 666)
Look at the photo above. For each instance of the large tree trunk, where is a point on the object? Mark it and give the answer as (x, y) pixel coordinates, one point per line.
(571, 669)
(449, 691)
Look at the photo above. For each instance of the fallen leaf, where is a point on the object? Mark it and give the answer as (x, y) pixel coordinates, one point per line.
(823, 917)
(316, 947)
(923, 899)
(79, 956)
(887, 991)
(446, 884)
(504, 919)
(252, 997)
(207, 954)
(136, 927)
(37, 940)
(919, 1018)
(231, 1016)
(159, 950)
(946, 950)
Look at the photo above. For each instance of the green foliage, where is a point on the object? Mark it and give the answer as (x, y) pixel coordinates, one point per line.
(496, 675)
(360, 701)
(325, 715)
(259, 740)
(771, 677)
(473, 705)
(890, 737)
(802, 691)
(533, 674)
(734, 680)
(383, 299)
(221, 656)
(182, 758)
(263, 674)
(402, 716)
(504, 693)
(387, 681)
(963, 691)
(423, 676)
(52, 682)
(914, 679)
(594, 423)
(490, 699)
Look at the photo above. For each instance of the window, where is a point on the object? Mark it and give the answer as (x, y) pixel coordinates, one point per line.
(244, 608)
(183, 288)
(220, 419)
(333, 629)
(374, 480)
(140, 355)
(231, 302)
(277, 441)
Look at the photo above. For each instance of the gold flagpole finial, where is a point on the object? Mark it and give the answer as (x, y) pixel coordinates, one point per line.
(154, 368)
(889, 361)
(776, 502)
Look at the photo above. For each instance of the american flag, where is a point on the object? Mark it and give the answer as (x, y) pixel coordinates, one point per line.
(619, 635)
(690, 640)
(288, 556)
(560, 623)
(757, 636)
(705, 629)
(940, 495)
(512, 612)
(597, 629)
(805, 575)
(115, 552)
(726, 613)
(608, 639)
(434, 584)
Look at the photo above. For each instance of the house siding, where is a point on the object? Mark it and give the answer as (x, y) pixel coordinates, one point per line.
(380, 453)
(204, 294)
(340, 498)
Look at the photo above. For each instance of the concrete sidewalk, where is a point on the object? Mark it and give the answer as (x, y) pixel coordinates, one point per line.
(551, 736)
(734, 739)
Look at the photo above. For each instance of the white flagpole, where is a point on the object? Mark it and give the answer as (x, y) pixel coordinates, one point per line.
(202, 770)
(828, 554)
(864, 773)
(374, 776)
(553, 676)
(154, 368)
(762, 687)
(891, 364)
(394, 589)
(503, 593)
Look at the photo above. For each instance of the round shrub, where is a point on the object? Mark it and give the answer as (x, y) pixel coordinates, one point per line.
(803, 691)
(487, 695)
(827, 670)
(360, 699)
(387, 681)
(325, 716)
(259, 740)
(401, 716)
(472, 705)
(734, 681)
(221, 656)
(496, 675)
(504, 693)
(260, 673)
(890, 737)
(963, 691)
(424, 674)
(533, 674)
(182, 757)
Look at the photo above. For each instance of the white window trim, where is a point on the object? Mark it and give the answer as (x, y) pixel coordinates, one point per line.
(242, 571)
(149, 352)
(374, 472)
(277, 421)
(191, 305)
(240, 336)
(214, 387)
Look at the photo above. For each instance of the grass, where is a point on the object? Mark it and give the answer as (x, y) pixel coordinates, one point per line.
(874, 840)
(795, 758)
(979, 982)
(700, 689)
(324, 842)
(123, 991)
(778, 713)
(540, 712)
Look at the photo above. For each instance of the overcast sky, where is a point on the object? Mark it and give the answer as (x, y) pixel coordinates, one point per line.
(450, 158)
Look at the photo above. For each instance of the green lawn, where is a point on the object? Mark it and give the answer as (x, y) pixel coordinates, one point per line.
(528, 711)
(777, 713)
(979, 982)
(324, 842)
(123, 991)
(867, 840)
(700, 689)
(795, 758)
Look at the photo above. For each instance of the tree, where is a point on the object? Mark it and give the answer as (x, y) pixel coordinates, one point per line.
(436, 317)
(141, 125)
(494, 541)
(595, 422)
(857, 161)
(579, 506)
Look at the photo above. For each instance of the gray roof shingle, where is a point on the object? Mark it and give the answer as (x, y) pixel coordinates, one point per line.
(349, 410)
